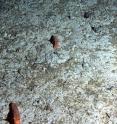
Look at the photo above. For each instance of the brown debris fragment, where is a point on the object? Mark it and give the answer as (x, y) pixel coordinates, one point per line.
(13, 116)
(55, 42)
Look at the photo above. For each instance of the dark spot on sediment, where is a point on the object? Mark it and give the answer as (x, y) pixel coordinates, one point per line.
(87, 14)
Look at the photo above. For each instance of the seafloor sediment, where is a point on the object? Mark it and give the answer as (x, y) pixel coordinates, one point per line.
(74, 84)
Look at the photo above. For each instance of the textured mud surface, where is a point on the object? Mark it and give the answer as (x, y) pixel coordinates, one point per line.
(75, 84)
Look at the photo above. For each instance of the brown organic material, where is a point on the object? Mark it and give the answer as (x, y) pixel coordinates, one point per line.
(13, 116)
(55, 41)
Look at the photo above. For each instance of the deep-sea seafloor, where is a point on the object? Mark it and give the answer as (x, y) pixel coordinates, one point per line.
(75, 84)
